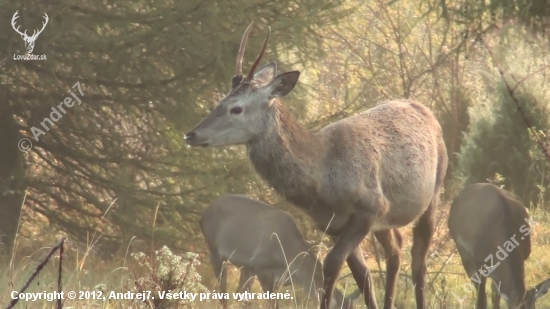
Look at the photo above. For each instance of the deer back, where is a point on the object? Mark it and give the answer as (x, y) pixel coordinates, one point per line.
(256, 235)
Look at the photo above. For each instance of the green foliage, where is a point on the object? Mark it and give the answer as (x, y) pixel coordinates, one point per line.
(497, 144)
(532, 13)
(149, 71)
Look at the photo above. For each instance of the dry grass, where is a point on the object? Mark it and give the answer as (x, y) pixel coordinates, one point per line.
(84, 271)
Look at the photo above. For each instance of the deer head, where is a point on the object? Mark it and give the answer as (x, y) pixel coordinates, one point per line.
(29, 40)
(240, 116)
(535, 293)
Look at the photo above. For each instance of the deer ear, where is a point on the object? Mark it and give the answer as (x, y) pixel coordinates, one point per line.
(283, 84)
(542, 288)
(266, 73)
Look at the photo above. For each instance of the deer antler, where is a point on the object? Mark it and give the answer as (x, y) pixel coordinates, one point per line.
(44, 23)
(239, 67)
(260, 55)
(15, 16)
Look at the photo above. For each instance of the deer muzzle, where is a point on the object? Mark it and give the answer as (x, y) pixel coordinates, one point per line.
(193, 139)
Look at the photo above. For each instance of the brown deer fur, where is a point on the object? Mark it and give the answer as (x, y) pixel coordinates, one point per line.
(378, 170)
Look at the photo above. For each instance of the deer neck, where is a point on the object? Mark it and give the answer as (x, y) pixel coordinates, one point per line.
(286, 155)
(284, 131)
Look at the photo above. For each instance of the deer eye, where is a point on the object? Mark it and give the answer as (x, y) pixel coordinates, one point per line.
(236, 110)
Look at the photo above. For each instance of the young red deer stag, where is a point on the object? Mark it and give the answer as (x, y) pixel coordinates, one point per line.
(484, 222)
(378, 170)
(264, 241)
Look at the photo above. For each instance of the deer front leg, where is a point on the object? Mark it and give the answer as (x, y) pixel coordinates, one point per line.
(355, 230)
(422, 237)
(219, 269)
(245, 281)
(268, 285)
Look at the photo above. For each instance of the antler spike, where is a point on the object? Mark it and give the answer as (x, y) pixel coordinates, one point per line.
(239, 66)
(260, 55)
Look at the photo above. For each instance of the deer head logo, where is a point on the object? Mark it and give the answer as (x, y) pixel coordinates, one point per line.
(29, 40)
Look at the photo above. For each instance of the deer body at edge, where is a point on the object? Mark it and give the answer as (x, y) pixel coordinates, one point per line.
(482, 218)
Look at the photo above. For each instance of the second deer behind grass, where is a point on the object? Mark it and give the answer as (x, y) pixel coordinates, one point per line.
(263, 241)
(489, 227)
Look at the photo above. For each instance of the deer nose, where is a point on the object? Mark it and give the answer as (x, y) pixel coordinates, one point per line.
(189, 136)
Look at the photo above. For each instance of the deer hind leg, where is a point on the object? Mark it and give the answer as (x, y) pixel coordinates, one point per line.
(245, 282)
(219, 266)
(481, 295)
(422, 237)
(471, 268)
(361, 274)
(391, 241)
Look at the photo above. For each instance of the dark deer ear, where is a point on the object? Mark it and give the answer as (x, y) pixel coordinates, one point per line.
(283, 84)
(266, 73)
